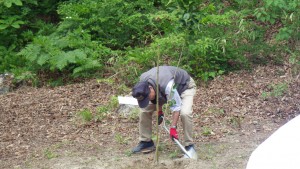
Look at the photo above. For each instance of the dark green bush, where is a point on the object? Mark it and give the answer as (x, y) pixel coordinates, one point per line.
(122, 38)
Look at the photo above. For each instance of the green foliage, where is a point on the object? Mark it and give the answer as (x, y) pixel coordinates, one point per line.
(11, 22)
(276, 90)
(8, 3)
(286, 12)
(8, 59)
(121, 139)
(207, 61)
(206, 131)
(128, 153)
(20, 21)
(104, 110)
(235, 121)
(49, 154)
(294, 61)
(60, 54)
(174, 154)
(113, 103)
(24, 76)
(116, 23)
(169, 47)
(91, 38)
(86, 115)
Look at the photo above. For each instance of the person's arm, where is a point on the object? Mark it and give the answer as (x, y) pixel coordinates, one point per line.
(173, 131)
(174, 101)
(175, 118)
(160, 107)
(173, 97)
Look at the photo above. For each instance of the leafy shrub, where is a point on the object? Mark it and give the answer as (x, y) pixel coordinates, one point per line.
(123, 38)
(117, 24)
(286, 12)
(20, 21)
(9, 60)
(62, 54)
(199, 43)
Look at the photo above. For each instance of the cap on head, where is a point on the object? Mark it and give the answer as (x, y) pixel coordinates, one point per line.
(141, 92)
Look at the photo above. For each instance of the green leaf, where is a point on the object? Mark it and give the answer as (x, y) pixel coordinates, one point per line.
(61, 61)
(43, 59)
(31, 52)
(3, 26)
(90, 64)
(15, 25)
(18, 2)
(8, 3)
(284, 34)
(212, 74)
(186, 16)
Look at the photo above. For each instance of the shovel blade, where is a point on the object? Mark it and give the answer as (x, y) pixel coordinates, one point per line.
(191, 154)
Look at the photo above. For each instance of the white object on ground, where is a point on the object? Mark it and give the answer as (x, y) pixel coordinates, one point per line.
(281, 150)
(127, 100)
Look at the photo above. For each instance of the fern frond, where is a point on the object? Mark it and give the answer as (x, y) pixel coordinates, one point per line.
(43, 59)
(31, 52)
(89, 65)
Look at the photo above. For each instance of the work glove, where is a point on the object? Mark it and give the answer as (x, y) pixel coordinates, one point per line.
(160, 117)
(173, 133)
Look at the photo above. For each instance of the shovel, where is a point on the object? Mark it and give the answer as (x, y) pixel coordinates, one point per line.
(176, 141)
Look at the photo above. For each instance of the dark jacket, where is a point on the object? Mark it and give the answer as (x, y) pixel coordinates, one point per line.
(166, 73)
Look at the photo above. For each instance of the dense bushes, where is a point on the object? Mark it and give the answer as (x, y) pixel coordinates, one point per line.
(88, 37)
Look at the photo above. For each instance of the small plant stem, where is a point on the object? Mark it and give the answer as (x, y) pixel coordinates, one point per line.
(157, 109)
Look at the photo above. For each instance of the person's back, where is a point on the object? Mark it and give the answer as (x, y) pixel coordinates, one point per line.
(167, 73)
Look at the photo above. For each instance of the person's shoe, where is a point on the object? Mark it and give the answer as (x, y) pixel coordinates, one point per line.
(144, 147)
(191, 152)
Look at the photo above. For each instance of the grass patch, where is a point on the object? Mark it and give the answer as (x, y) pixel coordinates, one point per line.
(121, 139)
(206, 131)
(275, 90)
(86, 115)
(49, 154)
(210, 151)
(174, 154)
(128, 153)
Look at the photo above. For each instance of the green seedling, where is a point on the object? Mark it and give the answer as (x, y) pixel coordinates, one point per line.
(206, 131)
(277, 90)
(235, 121)
(120, 139)
(134, 115)
(86, 115)
(113, 103)
(101, 113)
(174, 154)
(49, 154)
(128, 153)
(161, 147)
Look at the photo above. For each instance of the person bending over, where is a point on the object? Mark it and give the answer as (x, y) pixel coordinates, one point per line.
(175, 87)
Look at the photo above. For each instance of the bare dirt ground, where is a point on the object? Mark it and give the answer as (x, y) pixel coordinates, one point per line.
(233, 114)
